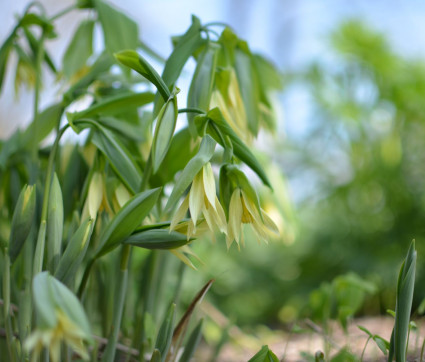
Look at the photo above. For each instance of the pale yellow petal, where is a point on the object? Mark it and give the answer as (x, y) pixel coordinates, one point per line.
(209, 184)
(270, 224)
(196, 197)
(235, 217)
(183, 258)
(122, 195)
(180, 213)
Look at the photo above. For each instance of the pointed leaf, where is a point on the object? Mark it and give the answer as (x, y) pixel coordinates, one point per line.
(127, 220)
(161, 239)
(163, 340)
(79, 49)
(204, 155)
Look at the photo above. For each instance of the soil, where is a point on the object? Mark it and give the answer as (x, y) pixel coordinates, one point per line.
(291, 347)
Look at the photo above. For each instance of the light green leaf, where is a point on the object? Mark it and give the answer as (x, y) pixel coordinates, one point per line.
(202, 82)
(47, 121)
(114, 105)
(126, 220)
(164, 130)
(55, 222)
(133, 60)
(22, 220)
(248, 86)
(79, 49)
(120, 158)
(205, 153)
(187, 44)
(74, 252)
(119, 30)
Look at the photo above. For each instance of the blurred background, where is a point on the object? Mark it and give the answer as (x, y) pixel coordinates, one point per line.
(348, 155)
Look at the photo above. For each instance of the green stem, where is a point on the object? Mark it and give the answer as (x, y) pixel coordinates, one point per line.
(41, 240)
(63, 12)
(364, 349)
(109, 354)
(38, 77)
(191, 110)
(6, 306)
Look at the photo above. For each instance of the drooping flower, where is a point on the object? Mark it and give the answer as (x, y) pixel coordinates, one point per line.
(51, 338)
(201, 199)
(242, 210)
(60, 318)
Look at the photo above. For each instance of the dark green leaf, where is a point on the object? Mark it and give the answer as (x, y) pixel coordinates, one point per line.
(192, 343)
(264, 355)
(165, 334)
(120, 158)
(239, 148)
(126, 220)
(161, 239)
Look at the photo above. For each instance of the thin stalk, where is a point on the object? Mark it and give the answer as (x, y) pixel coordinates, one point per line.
(85, 278)
(364, 349)
(38, 78)
(191, 110)
(109, 354)
(422, 350)
(63, 12)
(6, 307)
(41, 240)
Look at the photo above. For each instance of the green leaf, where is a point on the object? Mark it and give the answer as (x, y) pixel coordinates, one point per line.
(133, 60)
(79, 49)
(187, 44)
(119, 30)
(364, 329)
(248, 86)
(156, 356)
(405, 288)
(34, 45)
(192, 343)
(22, 220)
(47, 121)
(114, 105)
(239, 148)
(30, 19)
(49, 296)
(382, 344)
(204, 155)
(120, 158)
(161, 239)
(165, 334)
(126, 220)
(74, 252)
(101, 65)
(203, 80)
(4, 54)
(164, 131)
(264, 355)
(185, 146)
(55, 222)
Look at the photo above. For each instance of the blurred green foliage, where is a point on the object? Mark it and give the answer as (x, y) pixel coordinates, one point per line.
(363, 155)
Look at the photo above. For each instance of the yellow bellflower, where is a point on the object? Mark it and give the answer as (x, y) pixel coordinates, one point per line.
(201, 199)
(51, 338)
(232, 108)
(242, 210)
